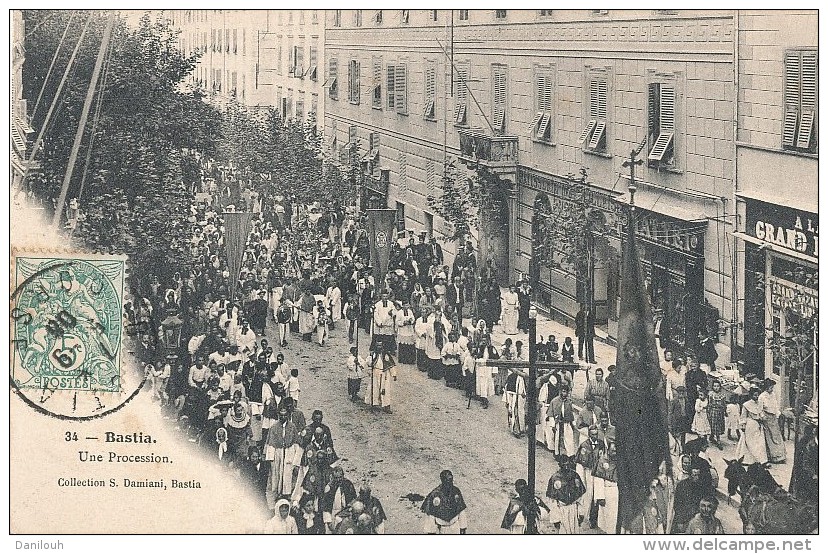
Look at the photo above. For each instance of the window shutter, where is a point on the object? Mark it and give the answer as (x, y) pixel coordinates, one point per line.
(587, 132)
(376, 98)
(666, 123)
(355, 82)
(535, 121)
(332, 77)
(667, 119)
(808, 97)
(499, 100)
(653, 111)
(430, 90)
(547, 92)
(544, 129)
(593, 99)
(792, 97)
(430, 180)
(602, 100)
(401, 88)
(390, 86)
(462, 76)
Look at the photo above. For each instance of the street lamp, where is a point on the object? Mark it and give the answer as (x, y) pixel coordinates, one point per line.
(531, 410)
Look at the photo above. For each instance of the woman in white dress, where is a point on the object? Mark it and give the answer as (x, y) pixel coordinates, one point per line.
(509, 315)
(701, 423)
(770, 413)
(752, 442)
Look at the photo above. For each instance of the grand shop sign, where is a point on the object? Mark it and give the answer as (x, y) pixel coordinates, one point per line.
(781, 226)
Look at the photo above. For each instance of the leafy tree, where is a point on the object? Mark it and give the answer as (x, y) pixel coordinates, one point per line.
(565, 234)
(470, 202)
(132, 194)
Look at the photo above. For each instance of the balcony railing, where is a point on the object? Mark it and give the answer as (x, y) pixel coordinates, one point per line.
(476, 146)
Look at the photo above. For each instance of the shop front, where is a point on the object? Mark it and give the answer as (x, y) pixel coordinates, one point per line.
(781, 297)
(672, 259)
(558, 290)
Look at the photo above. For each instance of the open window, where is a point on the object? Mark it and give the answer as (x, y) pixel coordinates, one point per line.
(661, 125)
(594, 135)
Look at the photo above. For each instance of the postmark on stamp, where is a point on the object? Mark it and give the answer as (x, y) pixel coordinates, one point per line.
(67, 332)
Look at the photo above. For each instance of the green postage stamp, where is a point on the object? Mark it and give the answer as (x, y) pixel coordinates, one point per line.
(67, 332)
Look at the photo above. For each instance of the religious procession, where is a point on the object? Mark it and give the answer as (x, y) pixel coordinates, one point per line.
(367, 344)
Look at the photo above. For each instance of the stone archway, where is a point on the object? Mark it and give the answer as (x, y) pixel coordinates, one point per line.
(540, 210)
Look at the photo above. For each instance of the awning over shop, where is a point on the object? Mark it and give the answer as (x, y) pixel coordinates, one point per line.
(664, 204)
(763, 244)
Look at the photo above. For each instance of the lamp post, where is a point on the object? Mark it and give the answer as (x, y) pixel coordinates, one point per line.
(532, 416)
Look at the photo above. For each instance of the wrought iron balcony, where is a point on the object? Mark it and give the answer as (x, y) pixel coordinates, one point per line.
(499, 153)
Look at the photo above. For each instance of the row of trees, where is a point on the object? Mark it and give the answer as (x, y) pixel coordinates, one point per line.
(261, 141)
(138, 158)
(128, 180)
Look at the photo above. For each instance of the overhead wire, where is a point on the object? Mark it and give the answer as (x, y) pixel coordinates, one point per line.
(96, 118)
(52, 65)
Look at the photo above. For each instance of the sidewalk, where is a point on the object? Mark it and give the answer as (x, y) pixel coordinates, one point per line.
(604, 356)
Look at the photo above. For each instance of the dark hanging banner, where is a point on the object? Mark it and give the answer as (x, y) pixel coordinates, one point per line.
(236, 231)
(641, 413)
(381, 234)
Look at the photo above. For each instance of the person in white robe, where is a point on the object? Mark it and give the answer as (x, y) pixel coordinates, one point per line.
(509, 313)
(333, 297)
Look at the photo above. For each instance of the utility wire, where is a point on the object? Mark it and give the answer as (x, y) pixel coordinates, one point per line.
(51, 65)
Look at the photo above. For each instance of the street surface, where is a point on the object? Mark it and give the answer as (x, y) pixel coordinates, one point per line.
(430, 429)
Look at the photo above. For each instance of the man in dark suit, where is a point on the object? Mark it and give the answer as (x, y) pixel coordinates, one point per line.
(436, 252)
(585, 331)
(454, 295)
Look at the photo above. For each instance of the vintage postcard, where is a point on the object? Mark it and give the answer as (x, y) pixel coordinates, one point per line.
(414, 271)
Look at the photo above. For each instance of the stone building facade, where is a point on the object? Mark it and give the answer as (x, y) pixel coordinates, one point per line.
(777, 148)
(537, 95)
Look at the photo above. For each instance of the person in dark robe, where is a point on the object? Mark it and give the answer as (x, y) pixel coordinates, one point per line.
(257, 313)
(318, 476)
(689, 493)
(521, 508)
(373, 508)
(254, 472)
(524, 293)
(695, 380)
(308, 517)
(445, 507)
(338, 495)
(565, 488)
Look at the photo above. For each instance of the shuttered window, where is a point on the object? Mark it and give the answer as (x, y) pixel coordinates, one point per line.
(430, 91)
(661, 126)
(542, 123)
(594, 135)
(376, 84)
(353, 82)
(391, 81)
(800, 98)
(299, 60)
(312, 62)
(461, 93)
(401, 88)
(403, 165)
(333, 90)
(431, 181)
(499, 98)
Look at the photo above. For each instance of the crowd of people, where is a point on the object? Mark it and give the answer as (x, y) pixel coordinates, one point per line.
(211, 367)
